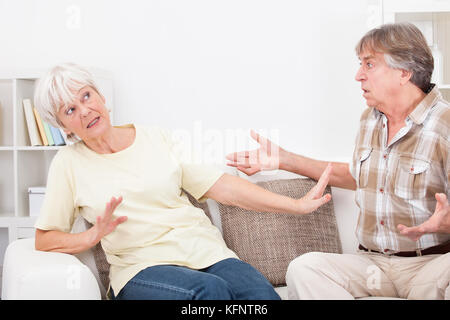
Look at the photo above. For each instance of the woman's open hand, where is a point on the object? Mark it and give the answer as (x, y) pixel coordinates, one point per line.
(315, 198)
(106, 224)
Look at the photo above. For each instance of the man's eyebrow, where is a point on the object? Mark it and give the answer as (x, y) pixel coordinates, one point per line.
(367, 57)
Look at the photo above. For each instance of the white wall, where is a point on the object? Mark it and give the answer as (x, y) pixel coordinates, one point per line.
(209, 66)
(283, 66)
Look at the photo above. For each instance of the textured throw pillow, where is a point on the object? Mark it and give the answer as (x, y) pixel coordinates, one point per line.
(100, 260)
(269, 241)
(202, 205)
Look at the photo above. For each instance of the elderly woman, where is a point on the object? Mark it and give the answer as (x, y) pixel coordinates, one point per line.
(128, 181)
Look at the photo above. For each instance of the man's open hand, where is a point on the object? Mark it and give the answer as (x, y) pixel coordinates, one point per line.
(439, 222)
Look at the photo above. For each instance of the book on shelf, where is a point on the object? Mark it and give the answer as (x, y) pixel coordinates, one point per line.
(41, 133)
(48, 134)
(41, 127)
(64, 135)
(33, 131)
(57, 137)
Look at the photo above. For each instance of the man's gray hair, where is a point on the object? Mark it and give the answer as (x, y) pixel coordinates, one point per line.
(404, 47)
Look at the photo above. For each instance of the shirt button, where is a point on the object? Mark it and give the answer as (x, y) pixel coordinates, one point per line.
(412, 169)
(381, 190)
(386, 250)
(382, 222)
(385, 156)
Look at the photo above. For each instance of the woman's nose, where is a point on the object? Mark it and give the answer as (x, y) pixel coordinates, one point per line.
(84, 111)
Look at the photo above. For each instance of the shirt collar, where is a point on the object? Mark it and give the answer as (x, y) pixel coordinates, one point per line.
(420, 112)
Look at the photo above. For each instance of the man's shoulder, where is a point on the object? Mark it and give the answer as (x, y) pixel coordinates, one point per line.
(368, 113)
(439, 118)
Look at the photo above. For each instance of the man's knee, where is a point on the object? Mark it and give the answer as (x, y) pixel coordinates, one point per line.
(304, 263)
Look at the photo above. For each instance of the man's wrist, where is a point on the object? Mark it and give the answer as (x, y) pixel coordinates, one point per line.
(287, 162)
(283, 158)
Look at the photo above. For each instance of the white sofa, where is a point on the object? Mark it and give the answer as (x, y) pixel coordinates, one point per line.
(31, 274)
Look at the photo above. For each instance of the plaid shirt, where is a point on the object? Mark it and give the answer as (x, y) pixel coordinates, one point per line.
(396, 183)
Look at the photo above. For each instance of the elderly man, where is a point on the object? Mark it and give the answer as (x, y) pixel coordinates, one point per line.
(400, 171)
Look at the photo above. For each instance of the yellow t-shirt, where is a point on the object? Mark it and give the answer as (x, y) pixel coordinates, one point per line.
(163, 227)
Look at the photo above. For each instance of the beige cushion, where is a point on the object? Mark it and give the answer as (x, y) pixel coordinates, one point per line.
(269, 241)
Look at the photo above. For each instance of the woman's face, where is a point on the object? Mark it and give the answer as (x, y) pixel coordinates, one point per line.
(86, 116)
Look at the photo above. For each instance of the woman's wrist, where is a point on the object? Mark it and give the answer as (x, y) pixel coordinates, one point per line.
(90, 237)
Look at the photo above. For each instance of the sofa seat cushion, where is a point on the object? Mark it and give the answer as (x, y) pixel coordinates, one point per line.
(269, 241)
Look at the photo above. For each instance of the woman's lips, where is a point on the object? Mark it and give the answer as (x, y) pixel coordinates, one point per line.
(93, 122)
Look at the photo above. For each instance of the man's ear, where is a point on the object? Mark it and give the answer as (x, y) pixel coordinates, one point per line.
(405, 76)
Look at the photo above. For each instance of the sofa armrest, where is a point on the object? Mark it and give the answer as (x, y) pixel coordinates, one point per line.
(32, 274)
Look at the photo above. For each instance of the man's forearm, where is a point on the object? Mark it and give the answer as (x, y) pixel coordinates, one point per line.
(312, 168)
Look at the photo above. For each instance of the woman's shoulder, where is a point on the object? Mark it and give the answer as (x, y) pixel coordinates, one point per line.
(154, 132)
(69, 153)
(149, 128)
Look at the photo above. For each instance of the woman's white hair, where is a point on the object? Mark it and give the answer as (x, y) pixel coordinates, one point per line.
(58, 88)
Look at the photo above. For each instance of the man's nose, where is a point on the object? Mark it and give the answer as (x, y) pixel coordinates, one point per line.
(360, 75)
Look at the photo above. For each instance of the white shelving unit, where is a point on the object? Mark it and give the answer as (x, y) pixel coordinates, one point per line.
(23, 166)
(434, 18)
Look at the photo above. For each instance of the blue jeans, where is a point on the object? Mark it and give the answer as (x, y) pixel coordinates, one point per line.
(228, 279)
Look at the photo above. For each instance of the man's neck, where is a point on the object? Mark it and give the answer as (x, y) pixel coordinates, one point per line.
(400, 106)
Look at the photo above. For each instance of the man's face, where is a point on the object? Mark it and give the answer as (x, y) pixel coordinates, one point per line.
(379, 82)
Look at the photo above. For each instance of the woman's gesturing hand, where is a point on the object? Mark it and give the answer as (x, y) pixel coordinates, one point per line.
(315, 198)
(106, 224)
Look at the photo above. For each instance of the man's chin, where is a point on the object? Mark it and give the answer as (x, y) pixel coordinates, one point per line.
(370, 103)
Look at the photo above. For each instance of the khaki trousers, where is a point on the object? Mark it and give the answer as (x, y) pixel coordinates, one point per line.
(318, 275)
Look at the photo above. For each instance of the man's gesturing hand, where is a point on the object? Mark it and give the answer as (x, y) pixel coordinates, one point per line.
(106, 224)
(439, 222)
(266, 157)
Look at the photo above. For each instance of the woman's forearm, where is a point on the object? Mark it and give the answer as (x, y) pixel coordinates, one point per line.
(239, 192)
(58, 241)
(312, 168)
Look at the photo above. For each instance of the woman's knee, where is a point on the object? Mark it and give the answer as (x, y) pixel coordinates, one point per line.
(214, 288)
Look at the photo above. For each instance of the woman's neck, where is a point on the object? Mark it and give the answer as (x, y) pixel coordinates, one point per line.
(114, 140)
